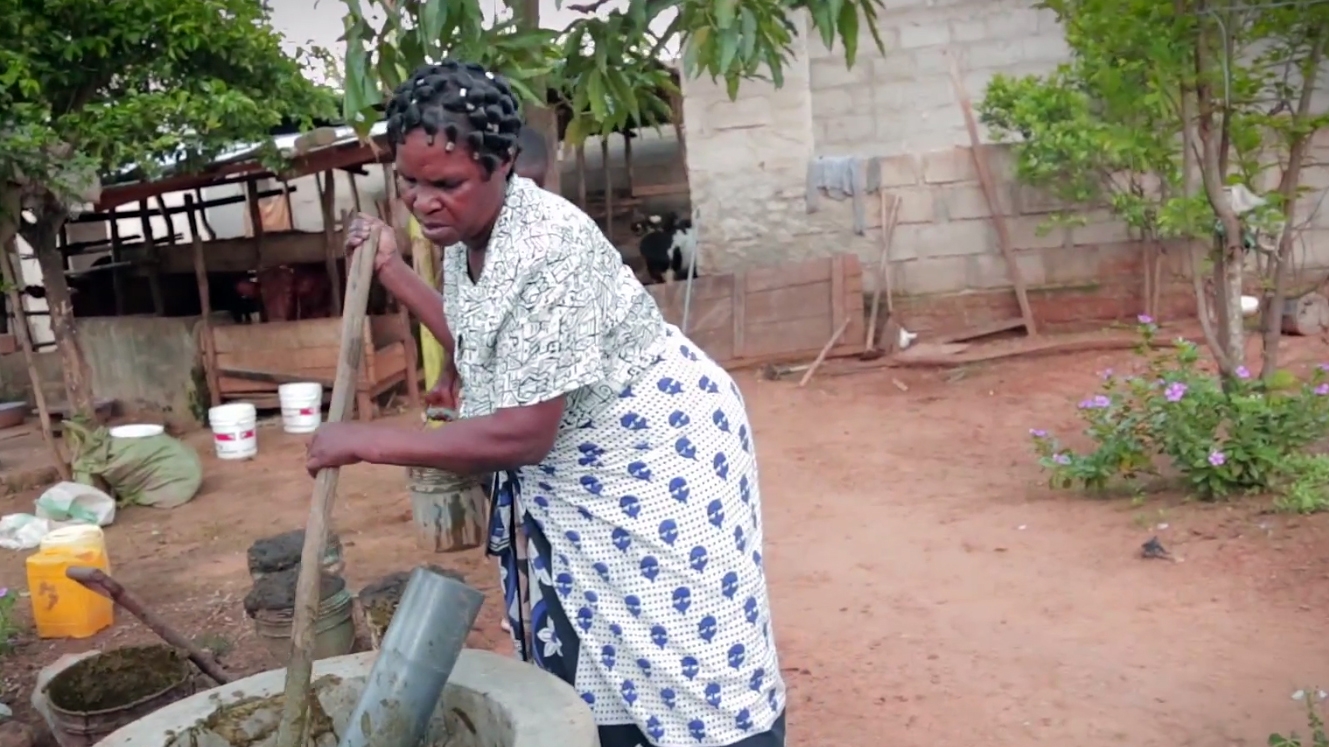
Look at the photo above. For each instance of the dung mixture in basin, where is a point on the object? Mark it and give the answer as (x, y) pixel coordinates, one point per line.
(118, 678)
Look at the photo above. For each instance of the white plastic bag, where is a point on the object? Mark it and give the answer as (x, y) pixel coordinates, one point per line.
(22, 531)
(74, 501)
(62, 504)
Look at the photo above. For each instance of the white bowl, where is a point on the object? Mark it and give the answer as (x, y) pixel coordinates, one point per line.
(138, 430)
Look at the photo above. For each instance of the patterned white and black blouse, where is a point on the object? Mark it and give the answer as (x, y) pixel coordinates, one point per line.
(643, 524)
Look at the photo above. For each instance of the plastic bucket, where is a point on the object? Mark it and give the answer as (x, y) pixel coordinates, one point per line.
(301, 406)
(450, 512)
(234, 430)
(334, 628)
(138, 430)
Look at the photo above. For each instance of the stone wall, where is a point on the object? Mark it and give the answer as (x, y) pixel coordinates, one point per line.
(747, 162)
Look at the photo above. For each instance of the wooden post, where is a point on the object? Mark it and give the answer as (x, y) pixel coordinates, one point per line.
(209, 344)
(286, 195)
(331, 251)
(292, 730)
(153, 256)
(255, 220)
(202, 213)
(117, 280)
(13, 276)
(581, 176)
(408, 340)
(609, 188)
(994, 204)
(355, 190)
(627, 157)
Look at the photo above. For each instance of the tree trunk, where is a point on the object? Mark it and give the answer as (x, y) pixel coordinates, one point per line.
(1230, 252)
(1272, 317)
(78, 378)
(545, 120)
(1227, 299)
(542, 119)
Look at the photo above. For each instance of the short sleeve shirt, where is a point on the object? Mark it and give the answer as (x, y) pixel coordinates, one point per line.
(555, 311)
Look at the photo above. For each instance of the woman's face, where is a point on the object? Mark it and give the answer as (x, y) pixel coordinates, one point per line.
(448, 192)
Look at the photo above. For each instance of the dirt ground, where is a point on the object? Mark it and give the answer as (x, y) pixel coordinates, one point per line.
(927, 587)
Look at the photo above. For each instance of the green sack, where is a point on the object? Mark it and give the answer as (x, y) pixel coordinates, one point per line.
(158, 471)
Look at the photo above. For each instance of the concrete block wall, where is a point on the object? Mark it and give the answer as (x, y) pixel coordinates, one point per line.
(747, 164)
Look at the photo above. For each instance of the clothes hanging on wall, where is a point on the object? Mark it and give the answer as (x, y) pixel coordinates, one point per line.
(841, 177)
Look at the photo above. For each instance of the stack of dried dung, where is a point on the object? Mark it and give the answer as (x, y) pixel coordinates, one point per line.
(378, 600)
(282, 551)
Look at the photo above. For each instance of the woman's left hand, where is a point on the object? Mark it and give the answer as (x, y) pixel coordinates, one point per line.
(333, 445)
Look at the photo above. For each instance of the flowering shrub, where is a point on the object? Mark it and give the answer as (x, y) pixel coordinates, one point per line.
(1223, 437)
(1317, 736)
(8, 624)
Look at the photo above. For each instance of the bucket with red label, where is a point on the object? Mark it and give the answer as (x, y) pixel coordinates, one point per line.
(301, 406)
(234, 430)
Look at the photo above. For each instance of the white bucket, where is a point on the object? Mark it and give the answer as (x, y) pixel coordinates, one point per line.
(301, 406)
(137, 430)
(234, 430)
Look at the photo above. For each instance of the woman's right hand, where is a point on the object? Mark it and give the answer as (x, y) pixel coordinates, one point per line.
(362, 227)
(446, 393)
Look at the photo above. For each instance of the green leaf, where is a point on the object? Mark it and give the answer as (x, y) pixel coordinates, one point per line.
(848, 24)
(433, 19)
(724, 13)
(728, 49)
(595, 91)
(748, 33)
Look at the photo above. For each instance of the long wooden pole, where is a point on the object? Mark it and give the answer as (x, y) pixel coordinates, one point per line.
(12, 276)
(888, 219)
(994, 204)
(207, 339)
(328, 202)
(291, 731)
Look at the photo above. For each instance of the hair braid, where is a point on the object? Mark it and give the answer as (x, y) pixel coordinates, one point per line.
(464, 103)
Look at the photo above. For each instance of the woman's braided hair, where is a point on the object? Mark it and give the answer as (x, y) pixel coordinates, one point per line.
(459, 100)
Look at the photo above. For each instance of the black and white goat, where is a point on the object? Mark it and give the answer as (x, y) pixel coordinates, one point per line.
(668, 246)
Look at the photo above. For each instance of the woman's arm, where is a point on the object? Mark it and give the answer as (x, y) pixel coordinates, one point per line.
(509, 438)
(423, 301)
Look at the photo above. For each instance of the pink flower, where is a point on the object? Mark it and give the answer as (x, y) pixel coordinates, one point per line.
(1242, 372)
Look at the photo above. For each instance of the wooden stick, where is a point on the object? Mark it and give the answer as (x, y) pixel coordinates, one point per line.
(328, 203)
(291, 731)
(883, 269)
(391, 215)
(13, 278)
(154, 255)
(96, 580)
(581, 176)
(994, 205)
(209, 343)
(609, 187)
(825, 351)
